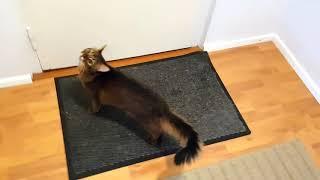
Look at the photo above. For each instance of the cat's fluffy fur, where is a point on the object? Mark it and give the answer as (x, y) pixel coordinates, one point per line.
(108, 86)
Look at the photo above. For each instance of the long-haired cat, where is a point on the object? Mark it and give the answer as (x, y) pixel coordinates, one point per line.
(108, 86)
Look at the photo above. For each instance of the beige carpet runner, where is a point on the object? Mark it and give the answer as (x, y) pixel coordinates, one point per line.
(287, 161)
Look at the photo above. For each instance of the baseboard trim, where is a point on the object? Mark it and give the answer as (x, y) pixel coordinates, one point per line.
(221, 45)
(15, 80)
(283, 48)
(299, 69)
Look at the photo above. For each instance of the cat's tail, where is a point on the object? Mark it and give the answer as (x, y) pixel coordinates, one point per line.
(188, 137)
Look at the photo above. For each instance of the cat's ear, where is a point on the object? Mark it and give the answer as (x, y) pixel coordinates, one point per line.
(103, 68)
(102, 48)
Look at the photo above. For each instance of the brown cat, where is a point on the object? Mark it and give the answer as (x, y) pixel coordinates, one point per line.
(107, 86)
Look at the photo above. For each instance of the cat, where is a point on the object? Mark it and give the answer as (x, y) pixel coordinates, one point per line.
(108, 86)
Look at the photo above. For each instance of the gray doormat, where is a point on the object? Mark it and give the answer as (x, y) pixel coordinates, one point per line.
(107, 140)
(287, 161)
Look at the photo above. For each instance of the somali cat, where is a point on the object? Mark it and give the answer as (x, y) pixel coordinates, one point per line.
(108, 86)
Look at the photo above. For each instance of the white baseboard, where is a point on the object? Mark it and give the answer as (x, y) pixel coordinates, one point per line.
(283, 48)
(296, 65)
(15, 80)
(220, 45)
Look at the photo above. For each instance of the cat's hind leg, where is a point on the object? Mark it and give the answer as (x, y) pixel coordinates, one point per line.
(154, 134)
(95, 105)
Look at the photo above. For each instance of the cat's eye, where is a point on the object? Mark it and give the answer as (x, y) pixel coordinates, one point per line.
(90, 62)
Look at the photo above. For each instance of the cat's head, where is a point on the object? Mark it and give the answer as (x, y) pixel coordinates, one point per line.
(91, 59)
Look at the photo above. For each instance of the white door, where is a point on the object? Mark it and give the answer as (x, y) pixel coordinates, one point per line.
(60, 29)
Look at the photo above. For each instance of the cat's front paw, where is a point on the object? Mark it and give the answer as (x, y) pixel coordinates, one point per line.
(92, 110)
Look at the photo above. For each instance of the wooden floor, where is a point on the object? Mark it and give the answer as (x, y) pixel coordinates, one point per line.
(270, 96)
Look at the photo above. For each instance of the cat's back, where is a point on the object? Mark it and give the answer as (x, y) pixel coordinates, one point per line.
(124, 91)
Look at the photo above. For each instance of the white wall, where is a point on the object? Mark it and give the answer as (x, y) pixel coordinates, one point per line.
(236, 22)
(16, 55)
(237, 19)
(300, 30)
